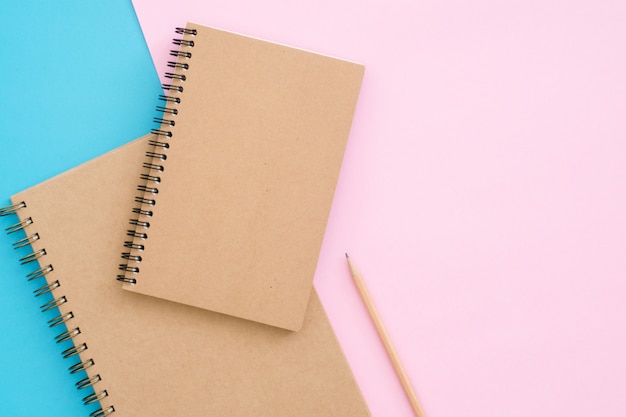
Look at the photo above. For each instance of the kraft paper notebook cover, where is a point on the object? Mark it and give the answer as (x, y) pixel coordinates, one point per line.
(149, 357)
(237, 191)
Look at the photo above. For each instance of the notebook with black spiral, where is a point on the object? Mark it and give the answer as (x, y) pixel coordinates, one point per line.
(144, 356)
(235, 193)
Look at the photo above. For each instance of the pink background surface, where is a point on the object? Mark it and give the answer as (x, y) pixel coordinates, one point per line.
(483, 195)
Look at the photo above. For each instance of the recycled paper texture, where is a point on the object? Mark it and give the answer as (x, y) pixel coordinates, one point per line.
(160, 358)
(249, 176)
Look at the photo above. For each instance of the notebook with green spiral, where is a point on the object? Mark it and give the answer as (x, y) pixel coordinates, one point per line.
(235, 193)
(145, 356)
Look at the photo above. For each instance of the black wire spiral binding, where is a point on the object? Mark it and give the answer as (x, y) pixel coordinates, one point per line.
(66, 318)
(156, 157)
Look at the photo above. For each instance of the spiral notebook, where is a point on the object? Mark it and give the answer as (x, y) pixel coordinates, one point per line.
(144, 356)
(236, 191)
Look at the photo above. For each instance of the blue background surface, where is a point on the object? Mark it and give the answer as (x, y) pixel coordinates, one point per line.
(78, 81)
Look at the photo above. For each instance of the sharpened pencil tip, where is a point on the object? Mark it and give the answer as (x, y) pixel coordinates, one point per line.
(347, 257)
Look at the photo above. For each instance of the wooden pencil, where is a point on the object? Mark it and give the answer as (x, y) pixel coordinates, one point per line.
(384, 337)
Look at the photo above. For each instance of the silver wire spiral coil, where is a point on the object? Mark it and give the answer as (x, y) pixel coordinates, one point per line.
(61, 319)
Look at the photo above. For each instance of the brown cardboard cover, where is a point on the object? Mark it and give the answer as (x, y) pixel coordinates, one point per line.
(249, 178)
(160, 358)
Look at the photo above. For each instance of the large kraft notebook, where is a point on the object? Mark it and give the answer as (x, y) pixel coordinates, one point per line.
(145, 356)
(235, 194)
